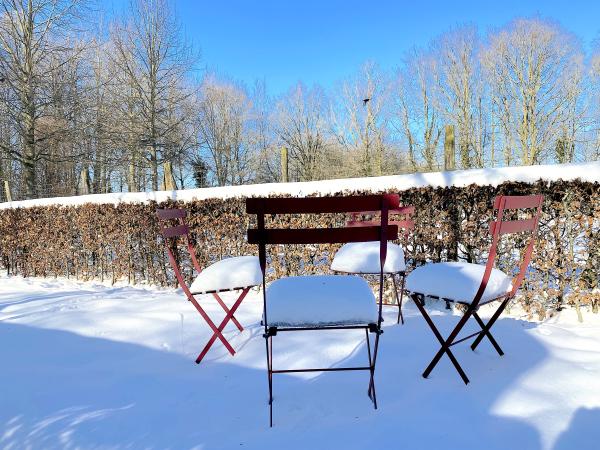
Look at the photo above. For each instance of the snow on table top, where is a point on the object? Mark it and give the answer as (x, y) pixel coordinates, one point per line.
(493, 176)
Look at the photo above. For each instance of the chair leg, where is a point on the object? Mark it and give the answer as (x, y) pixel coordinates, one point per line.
(269, 345)
(218, 332)
(399, 299)
(372, 360)
(486, 328)
(226, 309)
(485, 331)
(445, 343)
(371, 379)
(212, 326)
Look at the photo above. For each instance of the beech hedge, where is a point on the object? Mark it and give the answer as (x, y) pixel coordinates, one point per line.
(122, 242)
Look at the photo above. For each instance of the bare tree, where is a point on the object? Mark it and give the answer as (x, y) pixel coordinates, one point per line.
(223, 111)
(153, 60)
(416, 117)
(360, 121)
(300, 124)
(262, 138)
(594, 101)
(529, 65)
(460, 92)
(34, 42)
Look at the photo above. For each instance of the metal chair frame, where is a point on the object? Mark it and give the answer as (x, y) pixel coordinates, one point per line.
(181, 229)
(407, 224)
(263, 236)
(497, 228)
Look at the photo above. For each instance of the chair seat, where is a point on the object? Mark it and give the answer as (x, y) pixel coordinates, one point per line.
(227, 274)
(320, 300)
(363, 257)
(457, 281)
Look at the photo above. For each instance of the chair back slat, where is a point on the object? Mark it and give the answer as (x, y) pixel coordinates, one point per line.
(514, 226)
(319, 205)
(404, 210)
(500, 227)
(518, 201)
(380, 232)
(401, 224)
(168, 216)
(171, 213)
(178, 230)
(318, 235)
(405, 224)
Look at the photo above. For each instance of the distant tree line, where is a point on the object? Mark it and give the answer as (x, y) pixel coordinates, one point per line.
(89, 106)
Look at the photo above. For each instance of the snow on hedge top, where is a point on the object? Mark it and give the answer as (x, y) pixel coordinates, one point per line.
(483, 177)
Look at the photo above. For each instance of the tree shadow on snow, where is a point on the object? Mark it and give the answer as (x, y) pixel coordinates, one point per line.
(62, 390)
(583, 432)
(417, 413)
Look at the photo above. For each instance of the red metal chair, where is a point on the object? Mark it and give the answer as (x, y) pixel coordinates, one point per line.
(239, 273)
(362, 258)
(474, 285)
(335, 302)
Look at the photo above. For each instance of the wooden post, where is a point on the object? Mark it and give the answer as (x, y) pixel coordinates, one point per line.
(7, 191)
(168, 178)
(284, 165)
(451, 206)
(84, 185)
(449, 157)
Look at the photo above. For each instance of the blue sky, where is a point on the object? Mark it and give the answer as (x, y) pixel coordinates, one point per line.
(325, 41)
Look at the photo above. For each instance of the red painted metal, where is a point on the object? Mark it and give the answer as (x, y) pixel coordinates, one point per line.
(317, 235)
(407, 224)
(171, 213)
(497, 228)
(169, 232)
(322, 205)
(513, 226)
(518, 201)
(178, 230)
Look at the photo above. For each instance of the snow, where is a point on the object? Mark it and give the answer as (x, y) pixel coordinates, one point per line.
(492, 176)
(86, 365)
(320, 300)
(229, 273)
(458, 281)
(363, 257)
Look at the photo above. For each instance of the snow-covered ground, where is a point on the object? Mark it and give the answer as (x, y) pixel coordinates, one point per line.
(85, 365)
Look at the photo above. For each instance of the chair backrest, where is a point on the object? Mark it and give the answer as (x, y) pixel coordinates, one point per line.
(499, 227)
(381, 231)
(166, 218)
(406, 223)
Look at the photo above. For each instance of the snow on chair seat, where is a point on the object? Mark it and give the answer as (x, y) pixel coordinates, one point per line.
(474, 285)
(457, 281)
(320, 300)
(228, 274)
(233, 274)
(363, 257)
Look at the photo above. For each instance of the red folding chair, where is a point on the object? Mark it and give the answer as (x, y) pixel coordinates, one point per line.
(321, 302)
(239, 273)
(474, 285)
(362, 258)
